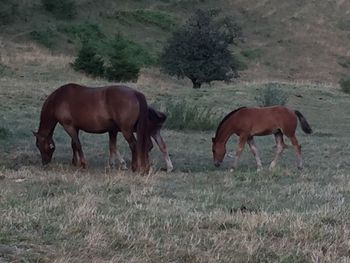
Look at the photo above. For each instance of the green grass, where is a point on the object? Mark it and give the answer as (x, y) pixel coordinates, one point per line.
(160, 19)
(198, 213)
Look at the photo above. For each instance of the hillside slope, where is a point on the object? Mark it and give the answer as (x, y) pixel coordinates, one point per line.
(288, 40)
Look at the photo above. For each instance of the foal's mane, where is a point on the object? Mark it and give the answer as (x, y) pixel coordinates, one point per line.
(226, 117)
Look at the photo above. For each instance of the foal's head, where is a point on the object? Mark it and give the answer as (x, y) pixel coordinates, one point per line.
(219, 151)
(46, 147)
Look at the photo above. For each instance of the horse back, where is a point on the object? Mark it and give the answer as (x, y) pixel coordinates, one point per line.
(266, 120)
(96, 110)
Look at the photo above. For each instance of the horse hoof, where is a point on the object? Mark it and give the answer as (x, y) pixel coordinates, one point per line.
(232, 170)
(123, 167)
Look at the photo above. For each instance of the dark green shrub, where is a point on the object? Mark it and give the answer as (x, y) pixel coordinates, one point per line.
(88, 60)
(61, 9)
(345, 85)
(44, 37)
(271, 94)
(125, 59)
(183, 115)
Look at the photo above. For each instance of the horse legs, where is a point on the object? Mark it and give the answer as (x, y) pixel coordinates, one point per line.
(130, 138)
(76, 146)
(162, 147)
(297, 149)
(114, 153)
(280, 147)
(75, 159)
(239, 149)
(255, 153)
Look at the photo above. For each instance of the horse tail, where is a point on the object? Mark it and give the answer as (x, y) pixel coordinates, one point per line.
(305, 126)
(143, 137)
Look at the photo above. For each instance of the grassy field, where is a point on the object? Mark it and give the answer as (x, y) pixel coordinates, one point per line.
(198, 213)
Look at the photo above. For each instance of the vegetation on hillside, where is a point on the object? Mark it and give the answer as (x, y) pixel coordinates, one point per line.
(200, 51)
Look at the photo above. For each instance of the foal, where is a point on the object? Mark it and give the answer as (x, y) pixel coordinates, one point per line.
(155, 122)
(250, 122)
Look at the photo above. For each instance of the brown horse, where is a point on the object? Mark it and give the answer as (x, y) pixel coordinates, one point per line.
(250, 122)
(95, 110)
(155, 122)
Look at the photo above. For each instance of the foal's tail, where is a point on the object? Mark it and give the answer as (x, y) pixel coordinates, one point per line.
(143, 137)
(305, 126)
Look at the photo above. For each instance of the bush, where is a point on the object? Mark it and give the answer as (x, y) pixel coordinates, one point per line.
(124, 64)
(43, 37)
(119, 59)
(89, 61)
(61, 9)
(182, 115)
(345, 85)
(271, 94)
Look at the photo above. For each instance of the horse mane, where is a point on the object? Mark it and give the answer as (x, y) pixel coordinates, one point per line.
(226, 117)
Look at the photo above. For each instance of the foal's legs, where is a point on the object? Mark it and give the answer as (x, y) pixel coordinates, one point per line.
(280, 147)
(130, 138)
(239, 149)
(297, 149)
(76, 146)
(113, 151)
(163, 149)
(255, 153)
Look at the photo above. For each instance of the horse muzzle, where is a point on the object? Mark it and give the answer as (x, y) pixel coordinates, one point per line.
(45, 162)
(217, 163)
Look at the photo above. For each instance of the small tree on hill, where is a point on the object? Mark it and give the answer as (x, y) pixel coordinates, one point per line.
(200, 51)
(122, 65)
(88, 60)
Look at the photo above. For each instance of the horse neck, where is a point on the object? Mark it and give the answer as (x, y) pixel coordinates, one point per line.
(47, 119)
(225, 131)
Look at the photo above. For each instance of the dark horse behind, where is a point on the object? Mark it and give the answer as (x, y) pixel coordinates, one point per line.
(95, 110)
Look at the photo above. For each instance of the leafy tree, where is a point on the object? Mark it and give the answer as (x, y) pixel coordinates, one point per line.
(199, 50)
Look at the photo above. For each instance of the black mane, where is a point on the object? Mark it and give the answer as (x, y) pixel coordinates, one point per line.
(225, 118)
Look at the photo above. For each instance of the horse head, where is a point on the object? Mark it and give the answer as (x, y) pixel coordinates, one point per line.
(46, 147)
(219, 151)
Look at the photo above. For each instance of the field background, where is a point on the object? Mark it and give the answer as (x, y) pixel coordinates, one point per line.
(198, 213)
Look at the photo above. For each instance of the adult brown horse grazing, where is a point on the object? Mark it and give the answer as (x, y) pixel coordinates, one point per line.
(250, 122)
(95, 110)
(155, 122)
